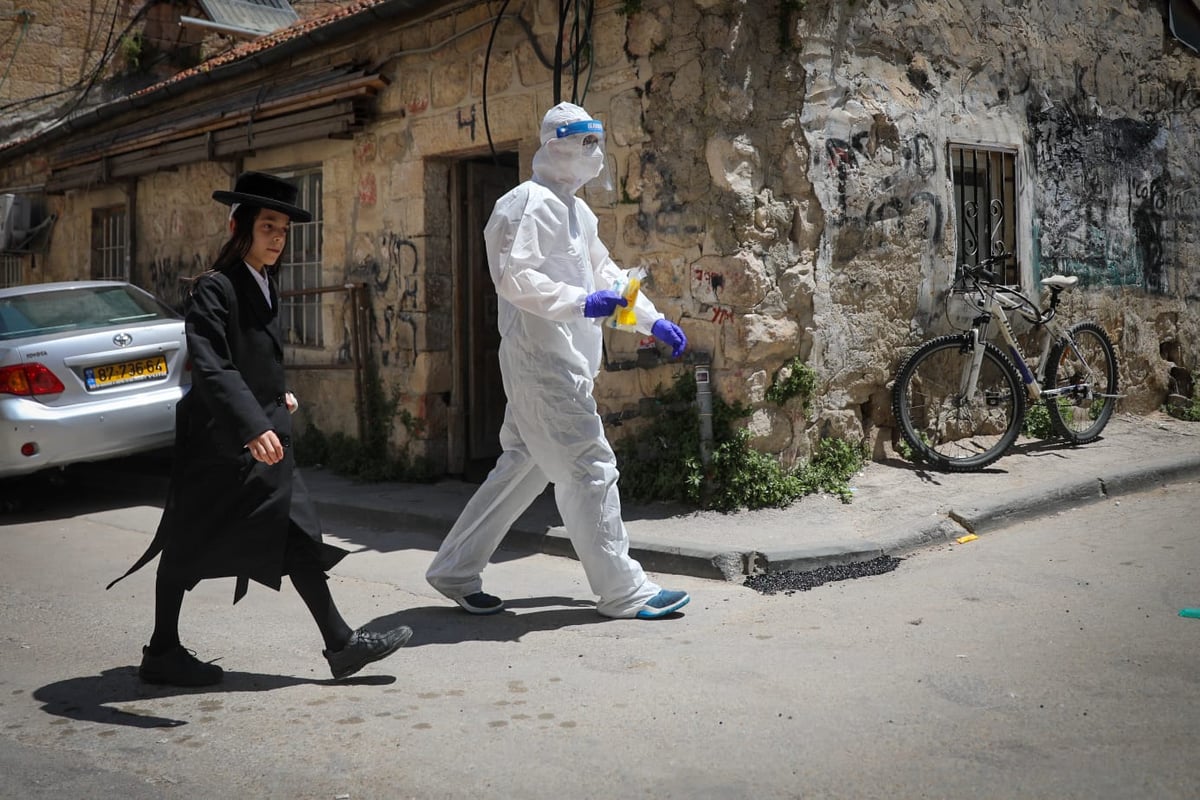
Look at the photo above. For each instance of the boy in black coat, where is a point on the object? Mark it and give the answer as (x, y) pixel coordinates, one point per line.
(236, 506)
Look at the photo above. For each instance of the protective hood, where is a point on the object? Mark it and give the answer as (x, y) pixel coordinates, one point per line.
(572, 151)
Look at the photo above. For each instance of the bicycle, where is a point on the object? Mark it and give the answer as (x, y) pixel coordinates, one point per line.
(960, 400)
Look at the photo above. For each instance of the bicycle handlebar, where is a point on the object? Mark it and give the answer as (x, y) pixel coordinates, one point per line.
(983, 275)
(982, 271)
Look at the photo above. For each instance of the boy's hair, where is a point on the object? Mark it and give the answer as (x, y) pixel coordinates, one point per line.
(234, 251)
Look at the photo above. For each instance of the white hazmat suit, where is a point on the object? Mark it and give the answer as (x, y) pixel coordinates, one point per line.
(547, 263)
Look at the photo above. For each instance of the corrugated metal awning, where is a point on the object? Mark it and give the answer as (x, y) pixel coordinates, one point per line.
(331, 102)
(251, 17)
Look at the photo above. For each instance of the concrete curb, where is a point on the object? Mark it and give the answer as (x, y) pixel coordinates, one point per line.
(532, 534)
(1006, 509)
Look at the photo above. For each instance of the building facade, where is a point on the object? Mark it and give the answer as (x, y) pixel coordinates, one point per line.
(798, 180)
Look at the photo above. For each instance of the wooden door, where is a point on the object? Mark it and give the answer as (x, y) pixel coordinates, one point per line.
(485, 182)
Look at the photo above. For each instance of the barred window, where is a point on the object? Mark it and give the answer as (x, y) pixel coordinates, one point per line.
(10, 270)
(110, 244)
(300, 266)
(985, 198)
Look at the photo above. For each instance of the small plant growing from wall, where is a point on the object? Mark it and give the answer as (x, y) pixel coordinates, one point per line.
(1182, 402)
(1036, 424)
(137, 54)
(369, 459)
(793, 379)
(661, 461)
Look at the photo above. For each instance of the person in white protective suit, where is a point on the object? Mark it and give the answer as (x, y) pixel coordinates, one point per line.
(552, 276)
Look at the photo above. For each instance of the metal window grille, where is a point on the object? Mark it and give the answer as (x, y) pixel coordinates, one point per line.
(985, 196)
(10, 270)
(300, 266)
(110, 244)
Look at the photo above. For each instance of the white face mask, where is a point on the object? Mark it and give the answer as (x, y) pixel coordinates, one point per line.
(588, 163)
(570, 161)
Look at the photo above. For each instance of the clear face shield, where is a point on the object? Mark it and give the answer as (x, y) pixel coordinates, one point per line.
(583, 144)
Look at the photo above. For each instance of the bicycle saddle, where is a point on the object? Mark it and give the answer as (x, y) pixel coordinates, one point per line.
(1060, 281)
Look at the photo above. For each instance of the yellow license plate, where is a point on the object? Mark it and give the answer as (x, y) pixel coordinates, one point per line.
(140, 369)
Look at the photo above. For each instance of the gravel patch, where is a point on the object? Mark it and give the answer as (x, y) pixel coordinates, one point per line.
(789, 581)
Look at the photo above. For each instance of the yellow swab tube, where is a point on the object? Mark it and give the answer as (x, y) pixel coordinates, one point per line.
(626, 316)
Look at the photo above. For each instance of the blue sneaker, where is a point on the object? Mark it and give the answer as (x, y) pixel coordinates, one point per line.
(663, 603)
(481, 603)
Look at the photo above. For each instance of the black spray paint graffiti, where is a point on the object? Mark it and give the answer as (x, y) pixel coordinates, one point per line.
(170, 278)
(914, 160)
(1106, 207)
(1148, 229)
(707, 288)
(393, 282)
(469, 122)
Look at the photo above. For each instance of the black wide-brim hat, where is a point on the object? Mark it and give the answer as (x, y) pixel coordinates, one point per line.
(265, 191)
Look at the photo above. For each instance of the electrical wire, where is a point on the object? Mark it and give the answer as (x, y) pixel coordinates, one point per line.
(110, 48)
(579, 35)
(25, 16)
(590, 36)
(109, 51)
(91, 35)
(582, 37)
(558, 50)
(487, 59)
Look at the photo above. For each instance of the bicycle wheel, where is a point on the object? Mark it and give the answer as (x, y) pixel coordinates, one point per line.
(945, 428)
(1083, 367)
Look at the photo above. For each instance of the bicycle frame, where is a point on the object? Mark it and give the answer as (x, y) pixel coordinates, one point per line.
(1054, 332)
(960, 399)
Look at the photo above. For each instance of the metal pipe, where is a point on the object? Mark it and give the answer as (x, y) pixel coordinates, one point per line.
(704, 404)
(231, 30)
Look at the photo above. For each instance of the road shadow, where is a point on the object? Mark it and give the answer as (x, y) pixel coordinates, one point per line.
(448, 624)
(929, 475)
(364, 537)
(1046, 447)
(112, 697)
(85, 489)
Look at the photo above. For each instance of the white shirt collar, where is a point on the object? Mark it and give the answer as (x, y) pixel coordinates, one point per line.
(261, 277)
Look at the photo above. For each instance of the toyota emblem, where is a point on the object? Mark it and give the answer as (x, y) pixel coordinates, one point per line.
(122, 340)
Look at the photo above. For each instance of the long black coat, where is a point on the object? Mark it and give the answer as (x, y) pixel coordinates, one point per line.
(227, 514)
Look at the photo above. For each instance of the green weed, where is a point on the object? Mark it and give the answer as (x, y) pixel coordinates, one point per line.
(662, 460)
(369, 459)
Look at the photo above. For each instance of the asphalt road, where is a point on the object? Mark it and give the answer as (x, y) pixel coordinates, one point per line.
(1045, 660)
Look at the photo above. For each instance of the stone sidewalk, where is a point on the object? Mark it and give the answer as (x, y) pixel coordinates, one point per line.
(896, 506)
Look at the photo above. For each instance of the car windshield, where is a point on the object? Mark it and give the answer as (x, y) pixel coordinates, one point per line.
(80, 308)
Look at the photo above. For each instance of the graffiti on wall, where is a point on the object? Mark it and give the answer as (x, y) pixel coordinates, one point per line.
(672, 217)
(880, 188)
(169, 277)
(707, 287)
(467, 122)
(1108, 207)
(394, 284)
(1151, 97)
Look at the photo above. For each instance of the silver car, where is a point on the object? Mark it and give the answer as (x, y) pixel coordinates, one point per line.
(89, 370)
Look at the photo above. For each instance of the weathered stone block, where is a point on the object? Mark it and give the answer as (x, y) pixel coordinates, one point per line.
(770, 430)
(500, 72)
(450, 84)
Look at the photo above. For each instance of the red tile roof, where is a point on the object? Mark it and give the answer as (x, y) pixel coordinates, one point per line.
(282, 36)
(294, 31)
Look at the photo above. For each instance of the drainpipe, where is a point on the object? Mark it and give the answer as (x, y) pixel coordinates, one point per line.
(704, 404)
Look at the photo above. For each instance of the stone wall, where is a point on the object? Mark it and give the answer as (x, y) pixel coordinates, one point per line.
(1102, 107)
(781, 174)
(51, 45)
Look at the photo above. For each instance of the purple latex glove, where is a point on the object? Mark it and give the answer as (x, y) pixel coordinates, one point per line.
(671, 335)
(602, 303)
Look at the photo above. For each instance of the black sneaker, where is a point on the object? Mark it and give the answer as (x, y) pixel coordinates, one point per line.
(365, 647)
(481, 603)
(177, 667)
